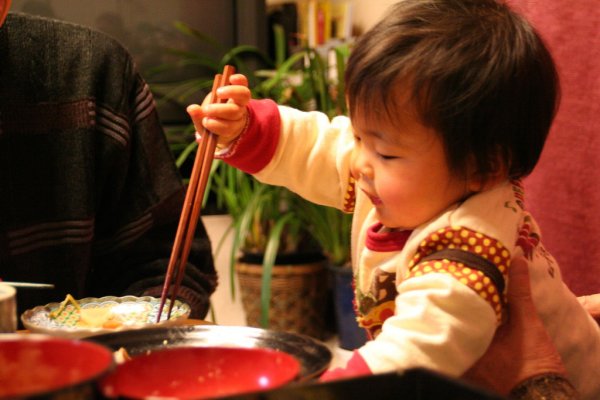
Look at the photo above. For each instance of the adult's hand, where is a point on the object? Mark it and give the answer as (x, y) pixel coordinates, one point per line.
(522, 342)
(592, 304)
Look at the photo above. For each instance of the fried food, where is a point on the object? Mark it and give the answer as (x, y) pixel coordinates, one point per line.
(90, 317)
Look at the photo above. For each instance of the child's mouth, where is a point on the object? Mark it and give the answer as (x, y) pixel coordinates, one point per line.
(374, 199)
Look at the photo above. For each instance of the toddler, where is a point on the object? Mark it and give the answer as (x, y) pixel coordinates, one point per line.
(450, 104)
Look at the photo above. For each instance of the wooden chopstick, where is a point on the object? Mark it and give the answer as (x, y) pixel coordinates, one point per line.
(29, 285)
(192, 204)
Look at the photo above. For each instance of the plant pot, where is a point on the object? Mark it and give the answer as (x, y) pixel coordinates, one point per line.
(298, 296)
(350, 334)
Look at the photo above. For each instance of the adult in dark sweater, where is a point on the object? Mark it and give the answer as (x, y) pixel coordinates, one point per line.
(89, 193)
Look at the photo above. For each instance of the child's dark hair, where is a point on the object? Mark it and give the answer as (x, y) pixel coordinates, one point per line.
(478, 73)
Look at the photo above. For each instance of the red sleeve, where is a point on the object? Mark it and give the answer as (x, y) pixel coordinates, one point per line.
(356, 366)
(256, 146)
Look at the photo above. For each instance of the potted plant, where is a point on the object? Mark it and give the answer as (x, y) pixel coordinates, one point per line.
(279, 265)
(279, 247)
(331, 227)
(270, 223)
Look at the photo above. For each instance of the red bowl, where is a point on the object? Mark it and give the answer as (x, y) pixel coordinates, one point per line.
(34, 365)
(200, 372)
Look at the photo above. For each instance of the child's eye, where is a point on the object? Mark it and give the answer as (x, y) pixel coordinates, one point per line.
(387, 157)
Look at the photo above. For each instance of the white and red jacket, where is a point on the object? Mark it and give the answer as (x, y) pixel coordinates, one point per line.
(436, 312)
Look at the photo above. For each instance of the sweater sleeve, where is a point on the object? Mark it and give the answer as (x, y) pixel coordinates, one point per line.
(304, 151)
(444, 326)
(91, 195)
(254, 149)
(356, 366)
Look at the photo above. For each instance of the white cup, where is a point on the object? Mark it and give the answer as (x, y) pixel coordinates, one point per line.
(8, 308)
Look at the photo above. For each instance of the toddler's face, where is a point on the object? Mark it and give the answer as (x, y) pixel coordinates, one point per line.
(401, 166)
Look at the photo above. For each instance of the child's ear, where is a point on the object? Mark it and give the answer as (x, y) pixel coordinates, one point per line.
(478, 182)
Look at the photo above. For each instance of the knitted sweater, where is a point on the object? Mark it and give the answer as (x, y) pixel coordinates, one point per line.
(422, 308)
(89, 193)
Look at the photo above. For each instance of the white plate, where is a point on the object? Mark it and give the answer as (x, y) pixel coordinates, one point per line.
(131, 312)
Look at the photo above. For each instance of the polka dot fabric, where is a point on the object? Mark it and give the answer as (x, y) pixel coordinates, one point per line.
(471, 241)
(350, 196)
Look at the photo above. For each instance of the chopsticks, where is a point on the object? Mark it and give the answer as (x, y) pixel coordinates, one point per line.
(29, 285)
(192, 204)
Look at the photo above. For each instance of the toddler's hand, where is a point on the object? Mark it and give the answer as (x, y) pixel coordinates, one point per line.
(226, 120)
(591, 303)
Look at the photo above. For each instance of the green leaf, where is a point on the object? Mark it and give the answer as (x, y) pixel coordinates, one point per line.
(268, 262)
(194, 33)
(281, 72)
(280, 44)
(189, 149)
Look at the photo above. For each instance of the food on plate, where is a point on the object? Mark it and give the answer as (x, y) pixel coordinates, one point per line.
(101, 316)
(95, 315)
(69, 299)
(121, 355)
(98, 317)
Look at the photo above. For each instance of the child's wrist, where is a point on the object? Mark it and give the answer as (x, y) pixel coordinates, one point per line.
(225, 145)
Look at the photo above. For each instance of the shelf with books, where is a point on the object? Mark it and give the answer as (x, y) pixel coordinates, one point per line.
(315, 23)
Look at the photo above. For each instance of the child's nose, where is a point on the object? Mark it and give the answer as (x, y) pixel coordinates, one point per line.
(360, 165)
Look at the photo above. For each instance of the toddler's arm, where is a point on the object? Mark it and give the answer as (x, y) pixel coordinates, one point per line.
(307, 152)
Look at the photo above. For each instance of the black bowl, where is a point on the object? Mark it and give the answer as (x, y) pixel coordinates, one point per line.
(314, 356)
